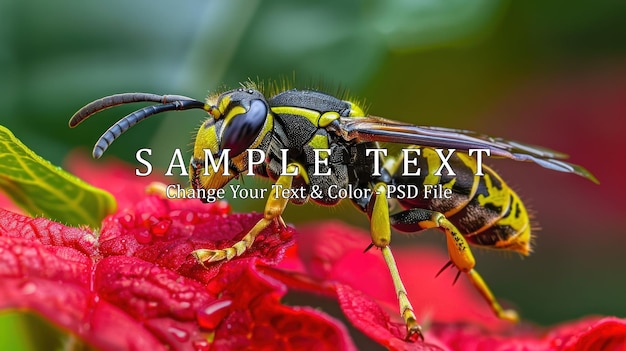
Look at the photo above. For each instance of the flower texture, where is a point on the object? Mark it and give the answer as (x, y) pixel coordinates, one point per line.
(133, 285)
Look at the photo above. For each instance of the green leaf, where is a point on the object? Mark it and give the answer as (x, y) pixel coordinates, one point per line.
(42, 189)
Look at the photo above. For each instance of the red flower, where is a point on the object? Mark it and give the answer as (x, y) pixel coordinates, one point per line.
(132, 285)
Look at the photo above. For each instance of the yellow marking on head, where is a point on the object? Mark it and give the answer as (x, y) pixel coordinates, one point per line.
(206, 138)
(210, 106)
(234, 112)
(224, 102)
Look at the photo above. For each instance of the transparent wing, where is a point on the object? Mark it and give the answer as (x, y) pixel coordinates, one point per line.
(363, 129)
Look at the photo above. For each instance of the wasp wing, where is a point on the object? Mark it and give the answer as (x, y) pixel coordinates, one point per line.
(363, 129)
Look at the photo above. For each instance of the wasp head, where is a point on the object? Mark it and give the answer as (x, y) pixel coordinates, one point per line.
(240, 120)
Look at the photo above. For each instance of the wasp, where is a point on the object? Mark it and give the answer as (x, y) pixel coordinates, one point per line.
(292, 126)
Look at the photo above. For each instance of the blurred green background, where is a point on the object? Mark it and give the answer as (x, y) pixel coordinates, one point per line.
(548, 73)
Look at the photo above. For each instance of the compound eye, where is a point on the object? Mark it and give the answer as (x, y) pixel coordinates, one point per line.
(243, 129)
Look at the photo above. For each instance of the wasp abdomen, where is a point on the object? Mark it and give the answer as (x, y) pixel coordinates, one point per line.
(512, 231)
(486, 211)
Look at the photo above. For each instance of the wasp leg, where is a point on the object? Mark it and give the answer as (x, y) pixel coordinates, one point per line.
(380, 229)
(460, 254)
(274, 208)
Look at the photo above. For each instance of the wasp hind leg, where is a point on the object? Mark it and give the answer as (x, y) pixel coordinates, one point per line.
(461, 256)
(274, 208)
(380, 230)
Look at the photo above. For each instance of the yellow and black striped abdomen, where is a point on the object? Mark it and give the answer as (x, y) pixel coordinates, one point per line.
(483, 207)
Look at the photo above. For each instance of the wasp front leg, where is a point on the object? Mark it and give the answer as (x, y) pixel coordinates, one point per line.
(460, 254)
(274, 208)
(380, 230)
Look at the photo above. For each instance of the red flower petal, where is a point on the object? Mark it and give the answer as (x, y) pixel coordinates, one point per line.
(45, 232)
(153, 296)
(607, 334)
(368, 317)
(191, 225)
(147, 291)
(160, 295)
(258, 320)
(588, 334)
(136, 287)
(54, 282)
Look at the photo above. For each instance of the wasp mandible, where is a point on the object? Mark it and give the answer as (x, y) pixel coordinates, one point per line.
(292, 126)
